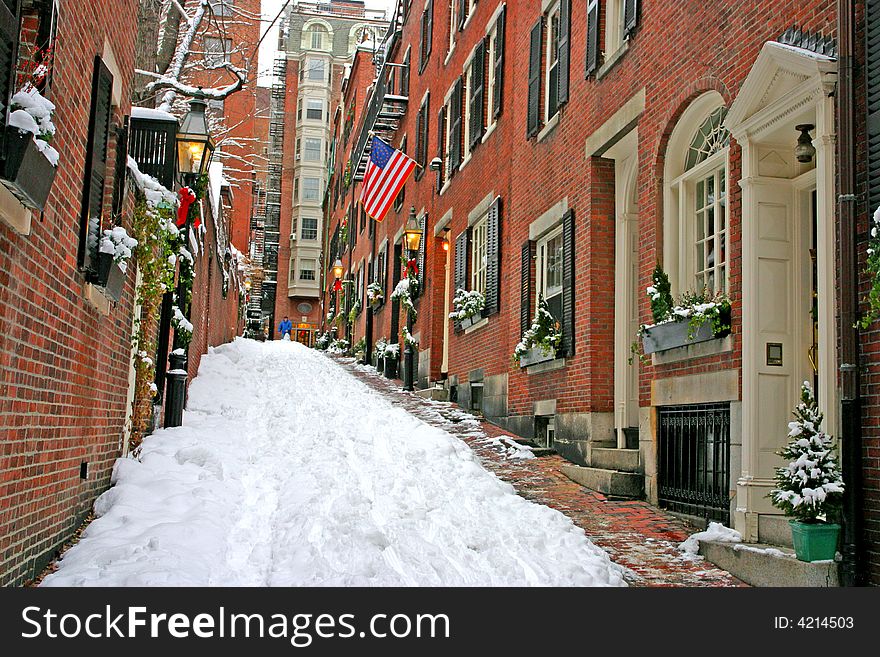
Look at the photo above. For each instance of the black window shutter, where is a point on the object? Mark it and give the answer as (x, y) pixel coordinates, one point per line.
(568, 283)
(461, 254)
(872, 65)
(592, 37)
(493, 260)
(534, 113)
(525, 299)
(498, 92)
(419, 141)
(630, 16)
(427, 35)
(404, 76)
(477, 100)
(462, 13)
(423, 42)
(461, 258)
(9, 34)
(119, 173)
(563, 52)
(441, 146)
(96, 157)
(455, 146)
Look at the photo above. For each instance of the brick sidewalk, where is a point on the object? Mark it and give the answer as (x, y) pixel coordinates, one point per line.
(635, 534)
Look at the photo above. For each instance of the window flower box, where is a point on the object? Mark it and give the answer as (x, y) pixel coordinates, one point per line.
(467, 322)
(26, 172)
(670, 335)
(536, 355)
(108, 276)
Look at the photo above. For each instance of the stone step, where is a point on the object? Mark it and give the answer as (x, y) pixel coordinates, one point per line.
(624, 460)
(607, 482)
(434, 394)
(765, 565)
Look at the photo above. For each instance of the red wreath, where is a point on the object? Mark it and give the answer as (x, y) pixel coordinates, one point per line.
(187, 198)
(337, 286)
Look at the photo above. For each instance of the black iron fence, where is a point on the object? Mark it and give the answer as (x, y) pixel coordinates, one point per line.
(694, 460)
(153, 145)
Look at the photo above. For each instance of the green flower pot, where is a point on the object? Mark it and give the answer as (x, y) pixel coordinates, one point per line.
(814, 541)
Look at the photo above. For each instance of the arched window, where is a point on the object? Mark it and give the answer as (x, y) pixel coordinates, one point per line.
(318, 34)
(696, 221)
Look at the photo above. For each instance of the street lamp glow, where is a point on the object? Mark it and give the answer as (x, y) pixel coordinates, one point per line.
(413, 232)
(195, 147)
(338, 269)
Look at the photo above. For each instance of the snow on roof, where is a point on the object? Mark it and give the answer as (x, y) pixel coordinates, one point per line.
(803, 51)
(150, 114)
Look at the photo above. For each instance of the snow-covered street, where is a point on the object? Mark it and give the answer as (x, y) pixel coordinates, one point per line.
(290, 472)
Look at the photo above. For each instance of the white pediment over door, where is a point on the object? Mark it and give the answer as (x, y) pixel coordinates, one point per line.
(783, 79)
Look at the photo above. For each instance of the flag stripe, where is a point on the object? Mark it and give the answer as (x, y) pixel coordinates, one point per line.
(387, 172)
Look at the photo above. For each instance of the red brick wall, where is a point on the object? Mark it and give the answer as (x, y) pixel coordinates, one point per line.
(63, 365)
(242, 142)
(215, 318)
(870, 339)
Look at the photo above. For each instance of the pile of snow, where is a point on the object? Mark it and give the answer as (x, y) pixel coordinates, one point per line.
(117, 243)
(716, 532)
(155, 193)
(150, 114)
(335, 487)
(32, 113)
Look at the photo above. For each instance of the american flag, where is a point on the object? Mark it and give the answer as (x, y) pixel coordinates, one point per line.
(387, 173)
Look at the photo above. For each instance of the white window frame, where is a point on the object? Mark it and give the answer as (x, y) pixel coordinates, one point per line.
(311, 68)
(319, 31)
(306, 190)
(453, 26)
(613, 27)
(302, 269)
(489, 119)
(303, 229)
(218, 51)
(222, 7)
(551, 58)
(467, 84)
(681, 234)
(685, 188)
(320, 107)
(447, 160)
(479, 255)
(318, 154)
(543, 261)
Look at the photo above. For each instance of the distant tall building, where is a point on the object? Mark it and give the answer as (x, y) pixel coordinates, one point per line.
(318, 41)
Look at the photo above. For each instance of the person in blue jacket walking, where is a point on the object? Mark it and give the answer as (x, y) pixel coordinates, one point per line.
(285, 328)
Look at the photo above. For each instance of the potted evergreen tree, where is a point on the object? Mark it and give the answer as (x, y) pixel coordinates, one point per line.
(809, 489)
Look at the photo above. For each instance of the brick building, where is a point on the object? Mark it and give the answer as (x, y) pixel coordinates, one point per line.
(318, 42)
(65, 386)
(567, 149)
(67, 380)
(232, 36)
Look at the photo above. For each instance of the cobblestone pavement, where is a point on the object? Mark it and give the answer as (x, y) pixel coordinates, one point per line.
(635, 534)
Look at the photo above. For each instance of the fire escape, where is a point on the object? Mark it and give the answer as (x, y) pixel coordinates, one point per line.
(271, 226)
(384, 108)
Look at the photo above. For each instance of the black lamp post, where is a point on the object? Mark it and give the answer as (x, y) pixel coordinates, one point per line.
(194, 151)
(413, 239)
(338, 271)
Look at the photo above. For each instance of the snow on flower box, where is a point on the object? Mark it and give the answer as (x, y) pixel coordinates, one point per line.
(536, 355)
(673, 334)
(26, 171)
